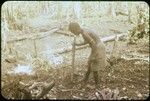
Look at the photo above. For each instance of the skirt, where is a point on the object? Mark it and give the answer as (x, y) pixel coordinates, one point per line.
(98, 58)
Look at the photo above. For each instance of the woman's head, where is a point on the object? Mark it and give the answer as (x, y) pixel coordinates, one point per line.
(75, 28)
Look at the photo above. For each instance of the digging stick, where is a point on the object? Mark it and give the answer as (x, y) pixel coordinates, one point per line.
(73, 57)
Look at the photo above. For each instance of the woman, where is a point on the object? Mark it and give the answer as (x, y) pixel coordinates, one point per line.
(97, 58)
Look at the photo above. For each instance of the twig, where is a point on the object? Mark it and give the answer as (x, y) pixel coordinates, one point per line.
(67, 90)
(76, 97)
(27, 91)
(45, 90)
(34, 42)
(123, 79)
(97, 96)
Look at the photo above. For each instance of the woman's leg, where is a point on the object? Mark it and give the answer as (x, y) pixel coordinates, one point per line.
(88, 72)
(95, 74)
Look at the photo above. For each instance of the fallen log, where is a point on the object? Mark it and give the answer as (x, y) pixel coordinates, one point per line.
(64, 33)
(33, 36)
(136, 59)
(105, 39)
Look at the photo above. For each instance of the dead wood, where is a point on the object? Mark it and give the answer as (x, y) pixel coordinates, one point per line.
(107, 94)
(33, 36)
(136, 59)
(115, 31)
(97, 96)
(69, 90)
(105, 39)
(35, 47)
(64, 33)
(76, 97)
(45, 88)
(26, 92)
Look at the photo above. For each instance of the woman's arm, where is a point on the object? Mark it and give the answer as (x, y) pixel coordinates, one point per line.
(88, 37)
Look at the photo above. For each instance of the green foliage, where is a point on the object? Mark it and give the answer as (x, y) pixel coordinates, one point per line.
(16, 12)
(142, 28)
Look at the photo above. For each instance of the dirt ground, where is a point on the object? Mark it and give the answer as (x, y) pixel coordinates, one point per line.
(131, 77)
(129, 73)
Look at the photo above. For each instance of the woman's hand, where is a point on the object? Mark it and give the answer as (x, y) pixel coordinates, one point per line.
(76, 44)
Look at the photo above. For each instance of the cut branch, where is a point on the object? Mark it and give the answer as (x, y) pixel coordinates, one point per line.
(64, 33)
(27, 90)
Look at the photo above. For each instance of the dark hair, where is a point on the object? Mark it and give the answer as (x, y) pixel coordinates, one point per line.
(74, 28)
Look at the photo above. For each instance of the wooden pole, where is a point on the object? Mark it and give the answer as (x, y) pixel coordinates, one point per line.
(114, 47)
(73, 57)
(35, 49)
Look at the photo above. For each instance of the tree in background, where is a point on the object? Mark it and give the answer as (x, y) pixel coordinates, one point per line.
(141, 30)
